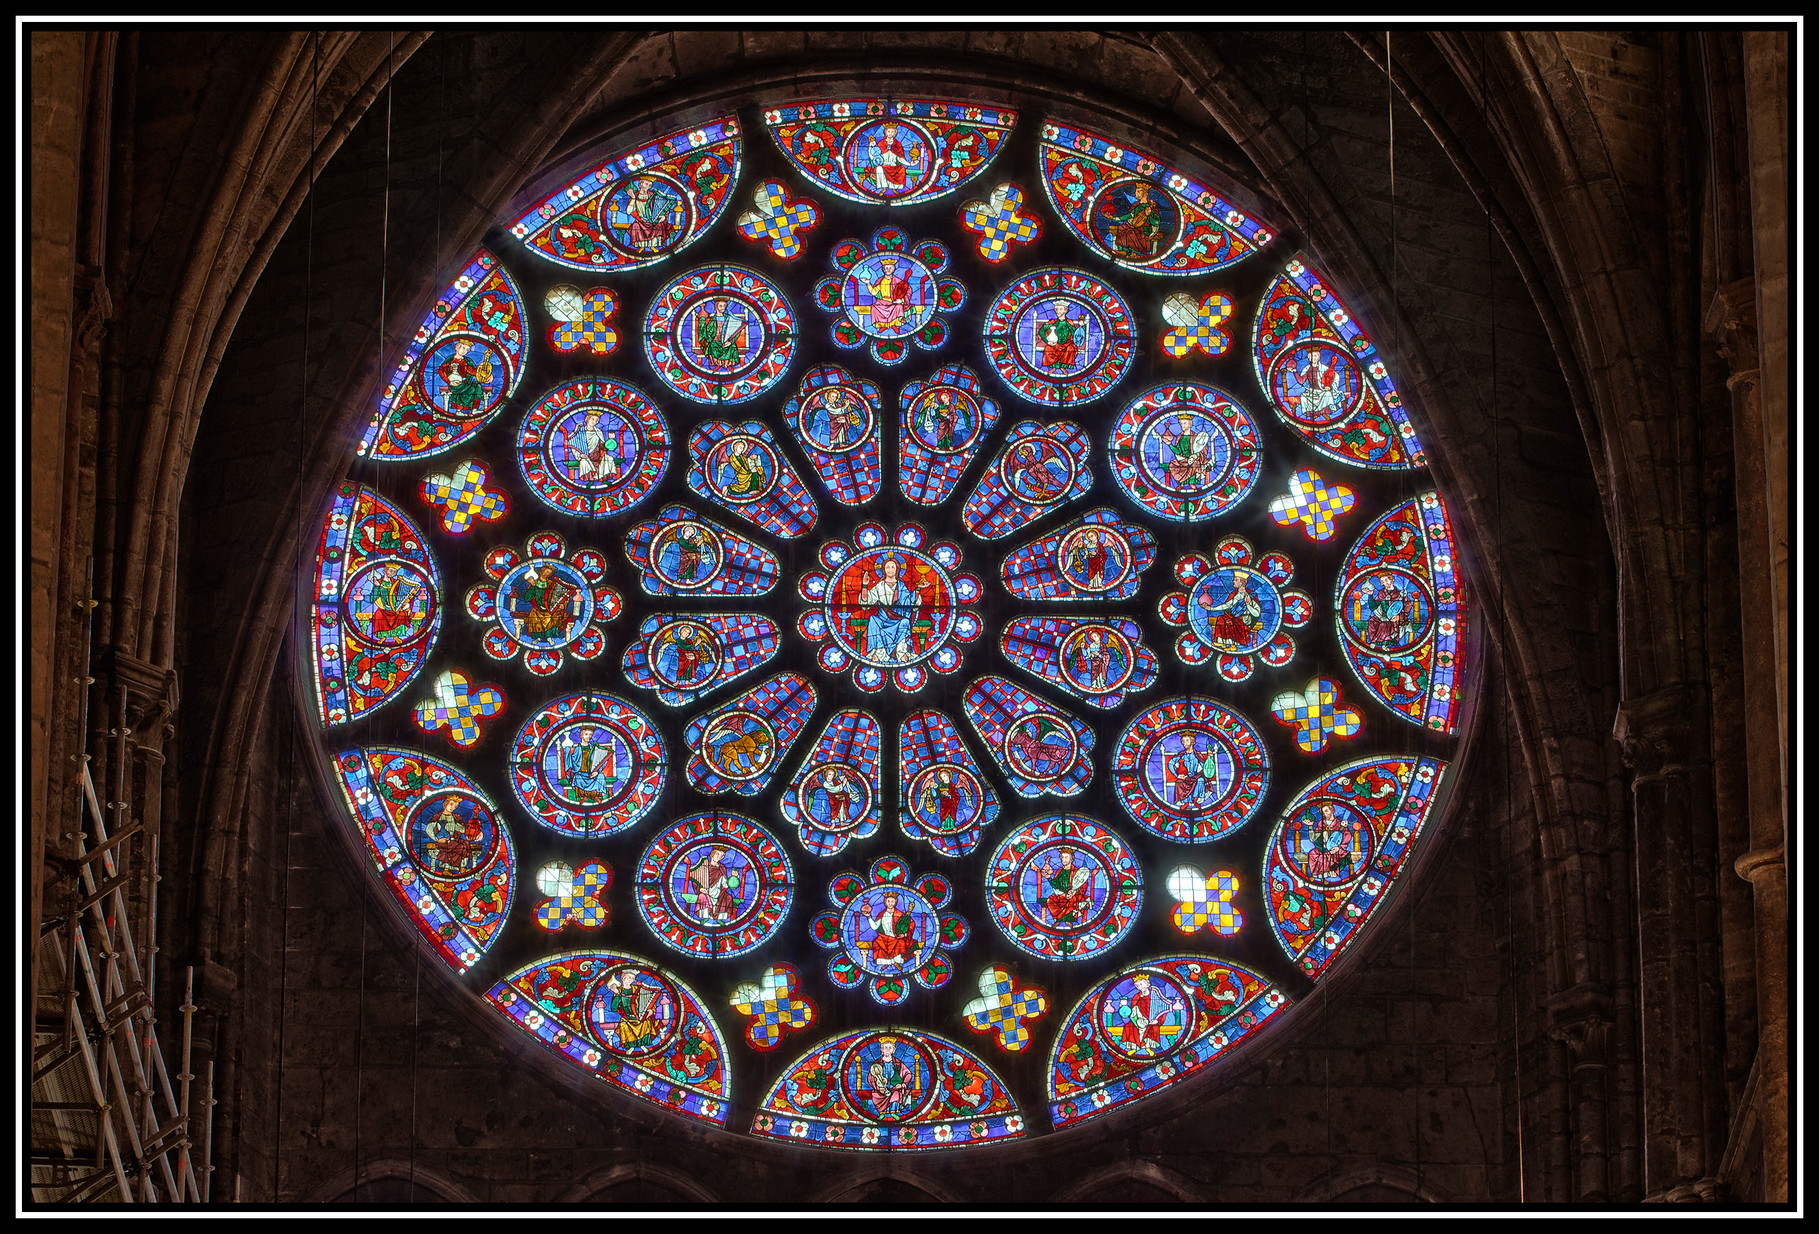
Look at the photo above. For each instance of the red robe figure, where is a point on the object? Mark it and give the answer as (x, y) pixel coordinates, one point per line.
(895, 944)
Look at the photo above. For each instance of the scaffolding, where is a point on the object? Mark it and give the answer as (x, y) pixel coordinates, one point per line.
(105, 1122)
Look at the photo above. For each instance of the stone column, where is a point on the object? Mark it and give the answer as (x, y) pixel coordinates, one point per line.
(1580, 1018)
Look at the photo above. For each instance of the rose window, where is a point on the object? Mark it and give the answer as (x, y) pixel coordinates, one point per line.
(987, 551)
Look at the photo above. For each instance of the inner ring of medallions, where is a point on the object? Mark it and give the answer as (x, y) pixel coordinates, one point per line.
(926, 420)
(1187, 461)
(604, 455)
(642, 224)
(726, 909)
(1022, 458)
(1061, 358)
(640, 1017)
(1235, 628)
(1113, 569)
(1079, 644)
(705, 649)
(1044, 864)
(556, 614)
(815, 778)
(1192, 790)
(763, 750)
(387, 602)
(918, 625)
(869, 906)
(926, 784)
(1013, 750)
(726, 456)
(592, 773)
(705, 552)
(749, 343)
(836, 419)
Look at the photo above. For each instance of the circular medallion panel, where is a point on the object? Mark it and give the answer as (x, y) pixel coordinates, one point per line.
(890, 607)
(390, 603)
(1235, 610)
(714, 885)
(587, 764)
(1063, 887)
(1316, 383)
(464, 376)
(1058, 335)
(891, 159)
(1190, 769)
(890, 1077)
(452, 835)
(890, 930)
(720, 334)
(633, 1010)
(1328, 842)
(1386, 611)
(593, 447)
(545, 602)
(1144, 1015)
(647, 216)
(1187, 452)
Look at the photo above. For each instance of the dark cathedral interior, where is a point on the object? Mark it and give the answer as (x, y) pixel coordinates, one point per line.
(1526, 292)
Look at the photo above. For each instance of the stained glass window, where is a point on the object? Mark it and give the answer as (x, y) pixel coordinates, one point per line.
(911, 660)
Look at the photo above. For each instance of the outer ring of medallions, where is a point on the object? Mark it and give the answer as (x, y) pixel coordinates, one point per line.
(423, 809)
(1272, 384)
(850, 1055)
(805, 780)
(847, 566)
(1073, 741)
(423, 580)
(1156, 190)
(502, 366)
(1079, 635)
(961, 774)
(849, 300)
(1174, 411)
(1078, 533)
(670, 1030)
(570, 575)
(1015, 343)
(1360, 827)
(713, 644)
(589, 721)
(1190, 1018)
(1428, 621)
(960, 396)
(770, 732)
(910, 190)
(694, 844)
(667, 532)
(920, 905)
(1262, 638)
(1053, 844)
(865, 406)
(711, 468)
(680, 237)
(1073, 469)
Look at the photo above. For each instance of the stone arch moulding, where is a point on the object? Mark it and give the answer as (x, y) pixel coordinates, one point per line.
(598, 1181)
(347, 1181)
(1147, 1172)
(1436, 798)
(1337, 1185)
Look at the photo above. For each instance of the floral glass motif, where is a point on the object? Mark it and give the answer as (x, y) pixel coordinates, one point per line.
(377, 605)
(834, 798)
(626, 1021)
(1099, 557)
(892, 1088)
(1060, 336)
(685, 656)
(891, 151)
(942, 423)
(464, 496)
(1324, 377)
(836, 418)
(588, 765)
(1064, 887)
(1150, 1025)
(1061, 513)
(890, 293)
(737, 748)
(741, 467)
(1190, 769)
(1039, 748)
(1401, 615)
(458, 370)
(1236, 608)
(641, 207)
(1098, 659)
(1188, 452)
(680, 554)
(1140, 212)
(1338, 848)
(887, 932)
(945, 798)
(582, 320)
(544, 604)
(1040, 468)
(593, 447)
(889, 607)
(438, 841)
(720, 334)
(714, 885)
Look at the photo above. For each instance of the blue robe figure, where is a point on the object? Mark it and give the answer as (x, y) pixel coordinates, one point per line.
(887, 631)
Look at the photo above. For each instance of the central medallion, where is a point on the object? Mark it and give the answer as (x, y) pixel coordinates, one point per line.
(889, 607)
